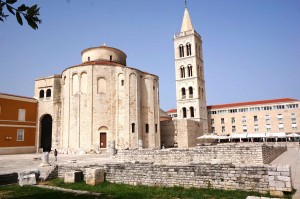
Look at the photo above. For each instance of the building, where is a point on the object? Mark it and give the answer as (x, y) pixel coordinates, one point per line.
(96, 103)
(277, 115)
(17, 124)
(190, 90)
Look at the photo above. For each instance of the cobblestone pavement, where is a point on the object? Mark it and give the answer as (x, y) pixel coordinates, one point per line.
(292, 157)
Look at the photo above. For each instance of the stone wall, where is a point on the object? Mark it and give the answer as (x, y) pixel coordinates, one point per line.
(253, 153)
(8, 178)
(262, 178)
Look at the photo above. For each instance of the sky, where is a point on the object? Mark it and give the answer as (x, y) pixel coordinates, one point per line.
(251, 48)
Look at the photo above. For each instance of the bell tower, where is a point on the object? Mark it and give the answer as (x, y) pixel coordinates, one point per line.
(190, 83)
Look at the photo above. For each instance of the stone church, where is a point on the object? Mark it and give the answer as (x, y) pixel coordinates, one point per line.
(102, 101)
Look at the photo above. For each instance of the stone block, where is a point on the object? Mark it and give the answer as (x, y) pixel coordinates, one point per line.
(283, 178)
(29, 179)
(283, 168)
(73, 176)
(276, 193)
(94, 176)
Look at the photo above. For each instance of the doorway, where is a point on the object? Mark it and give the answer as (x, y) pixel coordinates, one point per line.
(46, 132)
(102, 140)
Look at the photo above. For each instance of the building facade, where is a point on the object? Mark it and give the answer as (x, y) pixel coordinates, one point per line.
(272, 116)
(17, 124)
(98, 102)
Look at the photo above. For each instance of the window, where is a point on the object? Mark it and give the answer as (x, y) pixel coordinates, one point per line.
(292, 106)
(212, 121)
(293, 116)
(233, 129)
(280, 127)
(244, 119)
(192, 111)
(294, 126)
(89, 59)
(256, 129)
(232, 120)
(48, 93)
(110, 58)
(156, 128)
(184, 112)
(279, 117)
(42, 93)
(181, 50)
(183, 93)
(21, 115)
(122, 82)
(243, 110)
(223, 129)
(255, 118)
(182, 72)
(20, 135)
(244, 128)
(191, 92)
(213, 129)
(132, 127)
(190, 71)
(232, 110)
(188, 49)
(267, 119)
(147, 128)
(222, 121)
(268, 127)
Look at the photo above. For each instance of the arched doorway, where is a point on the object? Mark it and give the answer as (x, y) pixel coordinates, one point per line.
(103, 136)
(46, 132)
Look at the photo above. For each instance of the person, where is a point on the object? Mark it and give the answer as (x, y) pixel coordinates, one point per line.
(55, 154)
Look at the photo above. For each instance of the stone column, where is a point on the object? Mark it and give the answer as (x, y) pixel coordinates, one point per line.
(140, 144)
(112, 150)
(45, 160)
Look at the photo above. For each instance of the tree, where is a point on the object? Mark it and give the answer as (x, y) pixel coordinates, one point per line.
(31, 14)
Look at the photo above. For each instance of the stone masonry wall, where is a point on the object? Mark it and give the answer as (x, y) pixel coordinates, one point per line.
(262, 178)
(229, 153)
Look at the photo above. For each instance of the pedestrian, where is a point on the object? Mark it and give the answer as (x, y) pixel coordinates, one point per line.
(55, 154)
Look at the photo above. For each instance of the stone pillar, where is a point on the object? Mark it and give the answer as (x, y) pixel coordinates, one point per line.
(45, 160)
(140, 144)
(112, 150)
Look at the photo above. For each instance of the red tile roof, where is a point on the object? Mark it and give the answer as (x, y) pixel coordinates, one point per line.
(252, 103)
(244, 104)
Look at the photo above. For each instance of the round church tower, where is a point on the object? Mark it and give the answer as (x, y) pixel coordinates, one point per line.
(105, 101)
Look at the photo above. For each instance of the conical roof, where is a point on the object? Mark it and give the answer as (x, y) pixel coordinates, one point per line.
(186, 22)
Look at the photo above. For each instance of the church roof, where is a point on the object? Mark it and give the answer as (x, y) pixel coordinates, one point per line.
(186, 22)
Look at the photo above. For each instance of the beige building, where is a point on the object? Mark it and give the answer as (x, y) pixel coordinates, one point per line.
(96, 103)
(272, 116)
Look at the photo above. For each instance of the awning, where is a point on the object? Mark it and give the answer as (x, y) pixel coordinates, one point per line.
(238, 136)
(276, 135)
(256, 135)
(293, 135)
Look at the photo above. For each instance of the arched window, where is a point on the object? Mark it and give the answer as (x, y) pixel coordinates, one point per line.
(192, 111)
(190, 71)
(89, 59)
(110, 58)
(183, 93)
(202, 93)
(122, 82)
(184, 112)
(42, 93)
(147, 128)
(156, 128)
(182, 72)
(132, 127)
(188, 49)
(191, 92)
(48, 93)
(181, 50)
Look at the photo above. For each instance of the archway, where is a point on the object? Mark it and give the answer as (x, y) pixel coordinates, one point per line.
(46, 132)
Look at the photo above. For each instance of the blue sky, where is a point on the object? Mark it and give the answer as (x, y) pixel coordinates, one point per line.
(251, 48)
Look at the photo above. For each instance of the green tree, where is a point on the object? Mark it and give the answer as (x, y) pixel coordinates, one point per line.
(31, 14)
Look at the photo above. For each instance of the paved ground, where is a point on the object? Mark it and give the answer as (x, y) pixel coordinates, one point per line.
(15, 163)
(292, 157)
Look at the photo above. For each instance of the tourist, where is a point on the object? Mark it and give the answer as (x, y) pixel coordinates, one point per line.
(55, 154)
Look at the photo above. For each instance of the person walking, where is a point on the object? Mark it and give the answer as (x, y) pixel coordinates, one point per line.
(55, 154)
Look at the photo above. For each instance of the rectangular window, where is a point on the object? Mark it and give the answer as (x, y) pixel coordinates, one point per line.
(293, 116)
(155, 128)
(20, 135)
(222, 121)
(280, 127)
(213, 129)
(268, 127)
(244, 119)
(223, 129)
(279, 116)
(21, 115)
(268, 119)
(256, 129)
(294, 126)
(233, 120)
(244, 128)
(255, 118)
(212, 121)
(233, 129)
